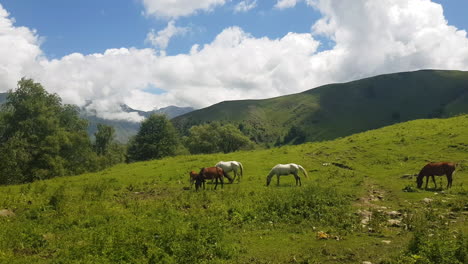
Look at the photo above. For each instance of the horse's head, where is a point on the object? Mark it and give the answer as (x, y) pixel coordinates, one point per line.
(419, 181)
(193, 176)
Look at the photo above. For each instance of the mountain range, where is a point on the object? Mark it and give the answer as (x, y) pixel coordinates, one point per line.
(341, 109)
(322, 113)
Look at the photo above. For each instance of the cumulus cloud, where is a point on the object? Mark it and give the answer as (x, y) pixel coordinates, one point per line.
(178, 8)
(244, 6)
(161, 39)
(19, 49)
(370, 38)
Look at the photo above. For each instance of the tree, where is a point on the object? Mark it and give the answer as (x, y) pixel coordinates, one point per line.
(213, 138)
(104, 137)
(157, 138)
(296, 135)
(39, 137)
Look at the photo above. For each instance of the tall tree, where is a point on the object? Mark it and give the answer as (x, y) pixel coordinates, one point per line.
(156, 139)
(39, 137)
(104, 136)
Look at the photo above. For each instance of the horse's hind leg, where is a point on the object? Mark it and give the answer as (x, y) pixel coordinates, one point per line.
(298, 179)
(449, 180)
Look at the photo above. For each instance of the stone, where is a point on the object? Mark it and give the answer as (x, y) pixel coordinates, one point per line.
(6, 213)
(394, 222)
(427, 200)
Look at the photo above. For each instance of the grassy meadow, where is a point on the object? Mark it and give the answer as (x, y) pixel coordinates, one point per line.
(143, 212)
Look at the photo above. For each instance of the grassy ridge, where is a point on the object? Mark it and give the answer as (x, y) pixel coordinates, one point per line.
(140, 213)
(338, 110)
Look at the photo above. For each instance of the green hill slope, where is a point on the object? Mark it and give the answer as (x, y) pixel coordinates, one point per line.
(141, 212)
(337, 110)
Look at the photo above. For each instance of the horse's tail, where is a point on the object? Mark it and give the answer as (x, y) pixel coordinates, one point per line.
(303, 170)
(241, 169)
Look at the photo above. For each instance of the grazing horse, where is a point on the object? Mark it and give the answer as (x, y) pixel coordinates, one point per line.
(215, 173)
(286, 169)
(229, 166)
(436, 169)
(193, 177)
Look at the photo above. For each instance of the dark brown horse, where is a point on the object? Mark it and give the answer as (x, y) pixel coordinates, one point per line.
(211, 173)
(436, 169)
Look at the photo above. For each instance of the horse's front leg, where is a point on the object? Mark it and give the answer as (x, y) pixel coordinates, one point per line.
(277, 181)
(433, 179)
(427, 181)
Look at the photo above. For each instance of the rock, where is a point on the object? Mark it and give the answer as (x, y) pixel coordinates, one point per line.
(394, 222)
(7, 213)
(386, 241)
(394, 214)
(365, 216)
(427, 200)
(366, 262)
(322, 235)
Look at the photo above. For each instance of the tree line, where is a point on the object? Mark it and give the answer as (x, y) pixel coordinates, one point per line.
(42, 138)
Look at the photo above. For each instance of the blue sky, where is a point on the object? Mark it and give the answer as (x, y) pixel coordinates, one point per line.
(89, 26)
(141, 52)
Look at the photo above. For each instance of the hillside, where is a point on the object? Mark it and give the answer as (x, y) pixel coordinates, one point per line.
(142, 213)
(337, 110)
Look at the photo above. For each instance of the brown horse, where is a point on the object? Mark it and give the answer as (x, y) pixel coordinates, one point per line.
(210, 173)
(193, 177)
(436, 169)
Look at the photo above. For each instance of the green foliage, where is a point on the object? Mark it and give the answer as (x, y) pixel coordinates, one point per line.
(104, 136)
(108, 150)
(156, 139)
(39, 137)
(214, 138)
(296, 135)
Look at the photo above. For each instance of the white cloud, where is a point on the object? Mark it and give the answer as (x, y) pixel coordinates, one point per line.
(283, 4)
(161, 39)
(178, 8)
(370, 38)
(245, 6)
(19, 49)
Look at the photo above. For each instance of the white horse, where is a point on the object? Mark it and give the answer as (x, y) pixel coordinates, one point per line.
(286, 169)
(229, 166)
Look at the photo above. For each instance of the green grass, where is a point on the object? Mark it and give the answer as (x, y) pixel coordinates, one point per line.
(141, 213)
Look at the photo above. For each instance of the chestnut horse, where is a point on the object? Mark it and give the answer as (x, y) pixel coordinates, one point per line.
(193, 177)
(436, 169)
(210, 173)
